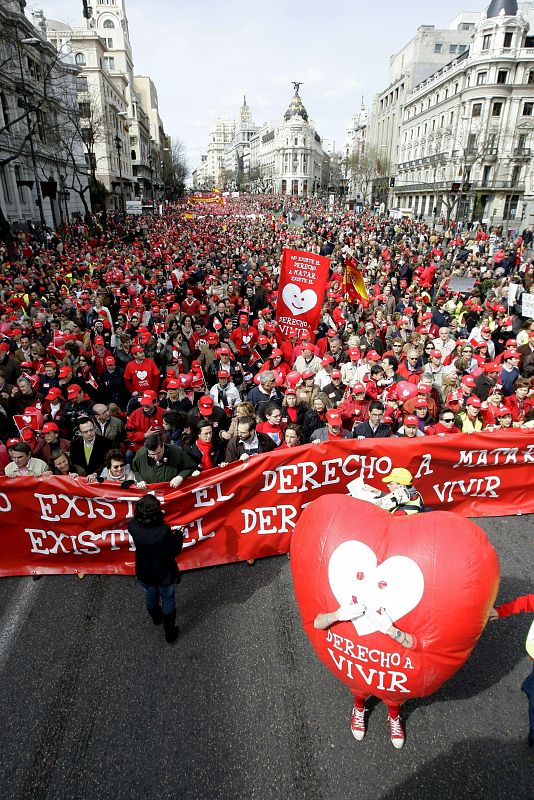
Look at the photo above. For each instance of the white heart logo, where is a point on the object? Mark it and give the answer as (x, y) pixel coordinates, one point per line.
(142, 375)
(396, 585)
(27, 420)
(298, 302)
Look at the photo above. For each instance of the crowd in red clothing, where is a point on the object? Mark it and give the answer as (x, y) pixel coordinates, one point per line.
(169, 325)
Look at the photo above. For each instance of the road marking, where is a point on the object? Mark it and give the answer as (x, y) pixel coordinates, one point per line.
(12, 618)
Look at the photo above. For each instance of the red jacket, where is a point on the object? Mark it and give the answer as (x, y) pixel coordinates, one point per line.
(139, 423)
(143, 376)
(518, 412)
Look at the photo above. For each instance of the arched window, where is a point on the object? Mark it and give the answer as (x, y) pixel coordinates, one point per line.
(80, 59)
(108, 23)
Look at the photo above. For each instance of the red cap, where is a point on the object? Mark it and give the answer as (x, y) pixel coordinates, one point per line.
(492, 366)
(354, 353)
(427, 315)
(336, 373)
(50, 363)
(4, 347)
(333, 417)
(243, 318)
(49, 426)
(98, 340)
(109, 361)
(511, 354)
(331, 333)
(411, 420)
(485, 329)
(212, 338)
(277, 352)
(436, 354)
(308, 373)
(225, 351)
(53, 394)
(205, 404)
(328, 359)
(263, 340)
(372, 355)
(423, 388)
(173, 383)
(64, 372)
(420, 403)
(137, 349)
(358, 388)
(73, 391)
(223, 373)
(503, 412)
(148, 397)
(468, 380)
(473, 401)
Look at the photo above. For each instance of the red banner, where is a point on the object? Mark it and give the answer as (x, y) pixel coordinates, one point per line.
(249, 509)
(300, 291)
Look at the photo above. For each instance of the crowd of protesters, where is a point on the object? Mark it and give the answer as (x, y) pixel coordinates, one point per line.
(146, 351)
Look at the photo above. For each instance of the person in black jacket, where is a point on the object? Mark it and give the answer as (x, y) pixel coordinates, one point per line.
(374, 428)
(89, 449)
(156, 548)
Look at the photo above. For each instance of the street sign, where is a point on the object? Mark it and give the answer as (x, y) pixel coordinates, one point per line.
(461, 285)
(527, 305)
(134, 207)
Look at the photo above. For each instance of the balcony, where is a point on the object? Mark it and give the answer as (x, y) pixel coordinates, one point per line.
(522, 152)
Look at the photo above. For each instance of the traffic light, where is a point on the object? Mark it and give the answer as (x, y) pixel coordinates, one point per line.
(391, 183)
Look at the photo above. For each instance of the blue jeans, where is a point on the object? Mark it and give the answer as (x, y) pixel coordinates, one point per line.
(153, 595)
(528, 689)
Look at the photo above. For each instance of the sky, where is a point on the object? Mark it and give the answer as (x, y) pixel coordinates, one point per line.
(204, 55)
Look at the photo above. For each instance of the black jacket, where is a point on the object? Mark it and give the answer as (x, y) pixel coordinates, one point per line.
(156, 548)
(364, 429)
(96, 462)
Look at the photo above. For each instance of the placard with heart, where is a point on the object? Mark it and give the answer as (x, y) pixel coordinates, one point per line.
(435, 575)
(298, 302)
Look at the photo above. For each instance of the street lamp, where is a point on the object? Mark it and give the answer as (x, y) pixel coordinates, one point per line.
(118, 146)
(151, 168)
(32, 41)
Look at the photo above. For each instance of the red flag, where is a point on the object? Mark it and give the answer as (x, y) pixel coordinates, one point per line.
(300, 291)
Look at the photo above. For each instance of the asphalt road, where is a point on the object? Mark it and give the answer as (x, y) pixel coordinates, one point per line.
(95, 705)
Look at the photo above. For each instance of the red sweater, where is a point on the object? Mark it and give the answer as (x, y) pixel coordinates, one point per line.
(139, 423)
(143, 376)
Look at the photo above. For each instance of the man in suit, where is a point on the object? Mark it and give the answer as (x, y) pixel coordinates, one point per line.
(88, 450)
(374, 428)
(106, 425)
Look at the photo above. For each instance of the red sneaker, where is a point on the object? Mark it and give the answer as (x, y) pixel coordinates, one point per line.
(357, 723)
(396, 732)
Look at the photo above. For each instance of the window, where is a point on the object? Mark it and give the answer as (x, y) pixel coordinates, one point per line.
(477, 110)
(108, 23)
(502, 76)
(486, 41)
(522, 141)
(82, 84)
(453, 48)
(530, 78)
(4, 183)
(109, 63)
(486, 175)
(110, 43)
(516, 175)
(462, 48)
(496, 108)
(471, 143)
(438, 47)
(507, 39)
(84, 110)
(467, 26)
(5, 109)
(296, 141)
(79, 58)
(133, 155)
(20, 188)
(482, 78)
(527, 109)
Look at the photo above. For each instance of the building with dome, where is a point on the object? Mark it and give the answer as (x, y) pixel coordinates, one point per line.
(285, 157)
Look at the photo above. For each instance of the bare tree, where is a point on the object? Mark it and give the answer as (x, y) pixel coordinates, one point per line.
(174, 169)
(260, 179)
(364, 167)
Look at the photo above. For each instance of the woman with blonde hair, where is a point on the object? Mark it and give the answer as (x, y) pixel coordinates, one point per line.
(243, 409)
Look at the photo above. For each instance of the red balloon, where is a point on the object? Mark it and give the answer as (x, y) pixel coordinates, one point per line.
(292, 378)
(436, 575)
(405, 390)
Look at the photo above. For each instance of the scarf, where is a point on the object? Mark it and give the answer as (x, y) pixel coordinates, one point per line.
(205, 449)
